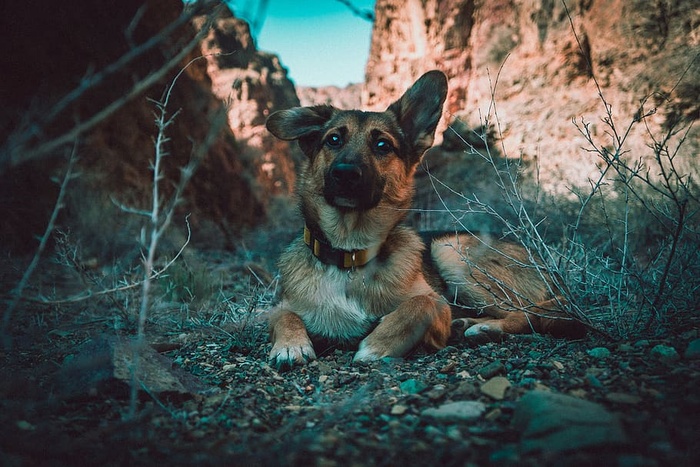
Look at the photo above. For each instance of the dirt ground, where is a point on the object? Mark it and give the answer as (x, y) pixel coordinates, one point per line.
(63, 402)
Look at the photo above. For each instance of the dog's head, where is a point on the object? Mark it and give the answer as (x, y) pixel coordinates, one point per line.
(357, 159)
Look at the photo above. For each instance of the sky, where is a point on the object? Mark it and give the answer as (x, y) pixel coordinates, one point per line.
(320, 42)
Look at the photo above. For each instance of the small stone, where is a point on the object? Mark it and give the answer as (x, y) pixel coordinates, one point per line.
(412, 386)
(436, 392)
(496, 387)
(399, 409)
(625, 347)
(622, 398)
(466, 390)
(693, 350)
(541, 387)
(593, 381)
(454, 433)
(665, 354)
(492, 369)
(508, 455)
(599, 352)
(25, 425)
(461, 411)
(493, 414)
(449, 368)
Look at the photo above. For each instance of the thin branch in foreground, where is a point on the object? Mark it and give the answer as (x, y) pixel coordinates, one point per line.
(18, 149)
(161, 215)
(365, 14)
(17, 292)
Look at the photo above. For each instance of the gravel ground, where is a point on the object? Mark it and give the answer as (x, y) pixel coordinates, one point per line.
(63, 402)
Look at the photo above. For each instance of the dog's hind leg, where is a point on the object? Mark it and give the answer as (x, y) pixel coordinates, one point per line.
(421, 319)
(483, 330)
(545, 318)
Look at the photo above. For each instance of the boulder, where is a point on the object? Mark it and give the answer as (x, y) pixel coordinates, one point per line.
(557, 423)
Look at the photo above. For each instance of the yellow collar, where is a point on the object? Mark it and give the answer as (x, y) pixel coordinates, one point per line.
(343, 259)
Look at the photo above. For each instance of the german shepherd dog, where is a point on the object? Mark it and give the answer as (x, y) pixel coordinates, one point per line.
(357, 276)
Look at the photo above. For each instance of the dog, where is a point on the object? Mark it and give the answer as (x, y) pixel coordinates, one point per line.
(357, 276)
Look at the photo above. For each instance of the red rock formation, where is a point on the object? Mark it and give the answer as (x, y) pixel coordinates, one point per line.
(525, 58)
(50, 50)
(349, 97)
(252, 84)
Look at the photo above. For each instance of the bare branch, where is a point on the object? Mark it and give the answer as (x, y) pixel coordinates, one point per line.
(19, 289)
(367, 15)
(18, 148)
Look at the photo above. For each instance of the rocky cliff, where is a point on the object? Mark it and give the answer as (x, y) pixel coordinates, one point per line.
(54, 52)
(526, 69)
(252, 84)
(349, 97)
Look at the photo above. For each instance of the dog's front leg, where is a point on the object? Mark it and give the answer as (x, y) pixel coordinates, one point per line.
(290, 341)
(422, 318)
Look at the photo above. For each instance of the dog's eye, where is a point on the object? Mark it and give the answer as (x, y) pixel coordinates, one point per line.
(383, 146)
(334, 140)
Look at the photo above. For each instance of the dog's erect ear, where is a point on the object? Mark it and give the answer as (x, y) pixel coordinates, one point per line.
(419, 110)
(300, 123)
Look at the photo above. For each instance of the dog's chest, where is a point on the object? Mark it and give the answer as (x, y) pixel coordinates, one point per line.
(332, 306)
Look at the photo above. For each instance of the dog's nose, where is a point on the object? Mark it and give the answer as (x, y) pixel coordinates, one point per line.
(347, 174)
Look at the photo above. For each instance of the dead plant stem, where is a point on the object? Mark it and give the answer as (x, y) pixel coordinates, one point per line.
(17, 292)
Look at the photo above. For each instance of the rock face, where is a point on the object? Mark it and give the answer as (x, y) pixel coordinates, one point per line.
(252, 84)
(54, 51)
(518, 68)
(349, 97)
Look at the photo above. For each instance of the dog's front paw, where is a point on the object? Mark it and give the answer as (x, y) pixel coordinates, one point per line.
(367, 353)
(284, 357)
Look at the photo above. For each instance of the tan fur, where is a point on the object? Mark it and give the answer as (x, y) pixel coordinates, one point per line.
(498, 279)
(354, 193)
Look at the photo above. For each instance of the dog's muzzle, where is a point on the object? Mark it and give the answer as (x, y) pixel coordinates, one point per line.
(352, 186)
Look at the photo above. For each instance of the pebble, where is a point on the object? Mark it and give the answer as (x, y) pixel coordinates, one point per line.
(412, 386)
(25, 425)
(665, 354)
(599, 352)
(436, 392)
(593, 381)
(449, 367)
(496, 387)
(492, 369)
(693, 350)
(625, 347)
(460, 411)
(622, 398)
(493, 414)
